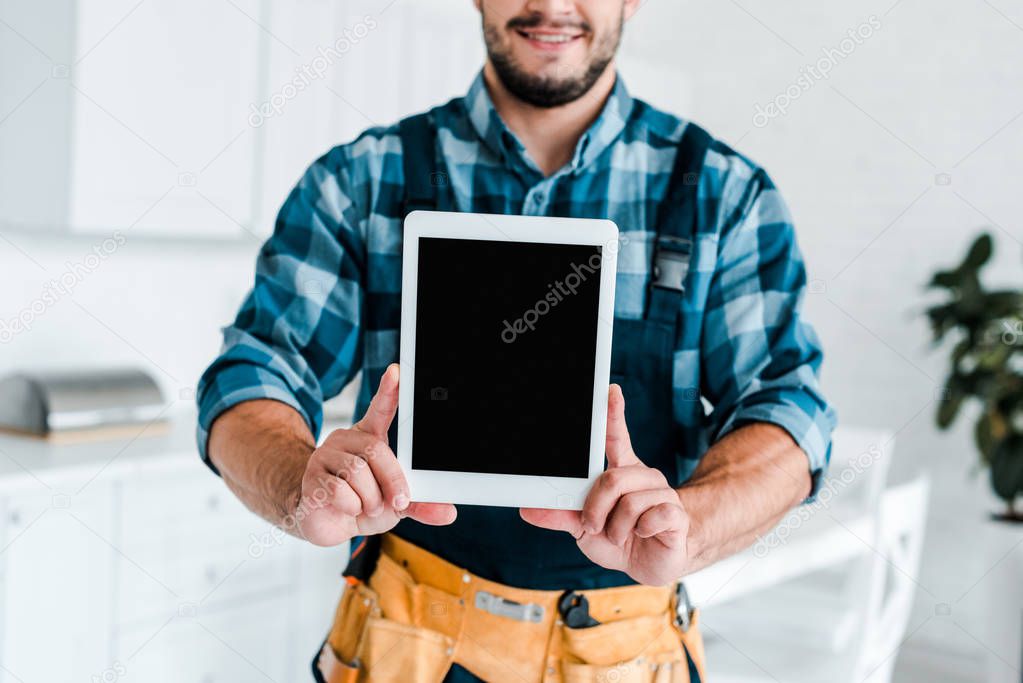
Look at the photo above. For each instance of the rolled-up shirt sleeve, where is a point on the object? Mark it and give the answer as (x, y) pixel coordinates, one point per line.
(761, 358)
(296, 337)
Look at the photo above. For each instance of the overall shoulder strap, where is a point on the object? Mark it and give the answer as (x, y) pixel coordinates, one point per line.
(418, 144)
(676, 225)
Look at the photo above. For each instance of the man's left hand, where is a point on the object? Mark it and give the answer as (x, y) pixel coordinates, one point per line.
(632, 520)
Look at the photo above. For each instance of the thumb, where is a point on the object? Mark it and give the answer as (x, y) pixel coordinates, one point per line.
(384, 405)
(618, 445)
(556, 520)
(435, 514)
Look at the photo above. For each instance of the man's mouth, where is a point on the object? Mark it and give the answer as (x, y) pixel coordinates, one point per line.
(549, 37)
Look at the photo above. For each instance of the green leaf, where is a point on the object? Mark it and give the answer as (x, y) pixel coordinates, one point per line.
(980, 252)
(995, 359)
(948, 407)
(947, 279)
(984, 436)
(960, 351)
(1007, 468)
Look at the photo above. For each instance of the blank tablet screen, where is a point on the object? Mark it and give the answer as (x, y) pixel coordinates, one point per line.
(505, 351)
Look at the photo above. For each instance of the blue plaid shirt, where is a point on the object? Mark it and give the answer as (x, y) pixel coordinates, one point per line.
(313, 318)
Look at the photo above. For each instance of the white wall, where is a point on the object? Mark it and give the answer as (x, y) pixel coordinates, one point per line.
(152, 303)
(936, 89)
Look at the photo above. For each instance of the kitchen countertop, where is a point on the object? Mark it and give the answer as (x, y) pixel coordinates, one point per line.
(30, 463)
(27, 462)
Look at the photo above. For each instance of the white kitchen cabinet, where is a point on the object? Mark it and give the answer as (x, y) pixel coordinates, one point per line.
(130, 116)
(185, 118)
(245, 643)
(152, 571)
(58, 588)
(159, 110)
(355, 65)
(296, 117)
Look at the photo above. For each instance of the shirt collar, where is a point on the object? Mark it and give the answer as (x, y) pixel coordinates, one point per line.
(598, 137)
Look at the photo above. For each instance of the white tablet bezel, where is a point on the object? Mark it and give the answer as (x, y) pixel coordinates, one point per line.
(506, 490)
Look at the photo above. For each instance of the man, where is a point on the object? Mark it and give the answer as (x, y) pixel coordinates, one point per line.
(707, 313)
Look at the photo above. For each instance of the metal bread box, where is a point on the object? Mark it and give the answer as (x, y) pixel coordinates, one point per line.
(48, 403)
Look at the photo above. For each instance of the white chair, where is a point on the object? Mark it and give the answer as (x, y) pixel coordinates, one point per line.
(892, 584)
(827, 595)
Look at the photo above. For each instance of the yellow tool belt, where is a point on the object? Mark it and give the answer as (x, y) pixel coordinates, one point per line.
(418, 614)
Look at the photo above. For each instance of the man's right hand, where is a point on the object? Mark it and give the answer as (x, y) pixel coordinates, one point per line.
(353, 484)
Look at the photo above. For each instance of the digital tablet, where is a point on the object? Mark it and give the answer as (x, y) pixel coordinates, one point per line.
(505, 354)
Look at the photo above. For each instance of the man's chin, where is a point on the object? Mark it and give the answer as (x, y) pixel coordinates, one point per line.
(552, 66)
(556, 79)
(546, 83)
(557, 72)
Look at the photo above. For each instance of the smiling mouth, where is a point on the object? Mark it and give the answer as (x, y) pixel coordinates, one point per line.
(549, 38)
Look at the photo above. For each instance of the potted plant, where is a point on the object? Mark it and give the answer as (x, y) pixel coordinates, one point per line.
(986, 369)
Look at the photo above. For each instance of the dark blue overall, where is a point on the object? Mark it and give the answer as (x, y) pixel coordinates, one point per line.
(494, 542)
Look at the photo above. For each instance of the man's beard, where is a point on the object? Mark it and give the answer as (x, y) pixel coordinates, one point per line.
(547, 91)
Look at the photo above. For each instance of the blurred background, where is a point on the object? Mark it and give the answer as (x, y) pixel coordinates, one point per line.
(145, 146)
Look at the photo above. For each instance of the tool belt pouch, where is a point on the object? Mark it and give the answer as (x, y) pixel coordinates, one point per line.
(370, 647)
(358, 604)
(645, 649)
(633, 650)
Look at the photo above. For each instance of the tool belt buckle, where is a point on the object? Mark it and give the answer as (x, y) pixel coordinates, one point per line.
(495, 604)
(683, 607)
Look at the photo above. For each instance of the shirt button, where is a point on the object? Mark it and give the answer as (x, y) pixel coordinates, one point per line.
(538, 198)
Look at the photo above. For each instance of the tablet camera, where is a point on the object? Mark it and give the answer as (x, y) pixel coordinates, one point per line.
(438, 394)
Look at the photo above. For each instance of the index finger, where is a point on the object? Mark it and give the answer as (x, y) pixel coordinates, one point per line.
(618, 445)
(384, 405)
